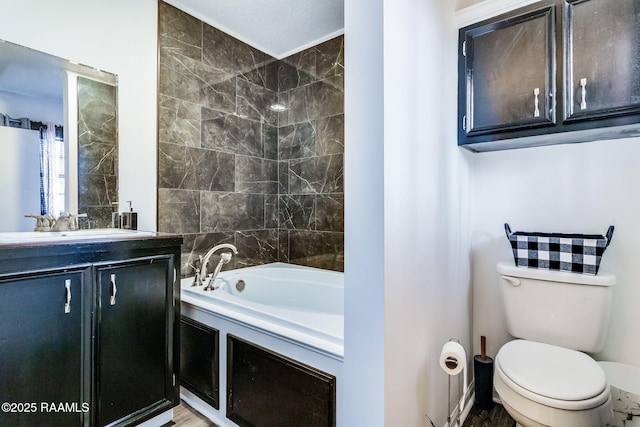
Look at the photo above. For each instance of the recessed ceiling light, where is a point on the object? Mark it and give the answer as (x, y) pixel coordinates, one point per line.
(278, 107)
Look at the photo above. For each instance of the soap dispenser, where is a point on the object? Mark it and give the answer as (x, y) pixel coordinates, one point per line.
(115, 216)
(129, 220)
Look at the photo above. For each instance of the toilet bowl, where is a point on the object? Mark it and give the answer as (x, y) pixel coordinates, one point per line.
(545, 385)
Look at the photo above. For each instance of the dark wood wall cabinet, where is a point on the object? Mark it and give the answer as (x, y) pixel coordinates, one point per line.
(558, 71)
(89, 331)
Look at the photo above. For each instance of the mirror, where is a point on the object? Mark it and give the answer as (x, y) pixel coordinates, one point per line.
(59, 138)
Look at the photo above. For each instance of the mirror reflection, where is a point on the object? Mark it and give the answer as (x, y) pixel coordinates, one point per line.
(58, 136)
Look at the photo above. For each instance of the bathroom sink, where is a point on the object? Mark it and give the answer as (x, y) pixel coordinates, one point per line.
(45, 236)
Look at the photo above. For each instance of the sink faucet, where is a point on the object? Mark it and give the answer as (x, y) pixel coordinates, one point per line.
(67, 222)
(202, 272)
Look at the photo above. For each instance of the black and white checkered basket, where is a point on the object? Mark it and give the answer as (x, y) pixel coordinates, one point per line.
(577, 253)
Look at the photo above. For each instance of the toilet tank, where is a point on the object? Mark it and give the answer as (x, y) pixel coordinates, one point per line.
(570, 310)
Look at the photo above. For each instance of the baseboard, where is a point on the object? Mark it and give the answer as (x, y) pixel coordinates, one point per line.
(466, 407)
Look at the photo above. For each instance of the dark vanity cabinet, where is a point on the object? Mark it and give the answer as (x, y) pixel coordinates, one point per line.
(557, 71)
(42, 351)
(133, 332)
(89, 331)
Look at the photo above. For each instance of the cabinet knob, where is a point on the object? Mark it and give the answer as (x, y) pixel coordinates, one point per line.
(67, 303)
(114, 289)
(583, 87)
(536, 106)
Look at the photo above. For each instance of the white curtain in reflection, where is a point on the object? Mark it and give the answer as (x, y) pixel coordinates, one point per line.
(52, 173)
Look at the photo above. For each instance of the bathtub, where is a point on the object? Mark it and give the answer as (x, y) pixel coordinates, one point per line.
(294, 311)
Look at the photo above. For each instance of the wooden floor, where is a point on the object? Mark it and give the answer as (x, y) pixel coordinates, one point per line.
(496, 417)
(186, 416)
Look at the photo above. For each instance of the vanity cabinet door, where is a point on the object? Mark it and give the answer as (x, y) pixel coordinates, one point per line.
(134, 372)
(602, 55)
(509, 80)
(44, 336)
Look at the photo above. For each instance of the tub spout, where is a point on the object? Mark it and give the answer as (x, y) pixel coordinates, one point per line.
(202, 272)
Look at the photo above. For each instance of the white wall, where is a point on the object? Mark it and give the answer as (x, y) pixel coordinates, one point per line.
(40, 110)
(406, 219)
(119, 36)
(364, 221)
(580, 188)
(19, 177)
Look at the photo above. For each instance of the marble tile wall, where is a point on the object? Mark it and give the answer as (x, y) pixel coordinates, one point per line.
(98, 150)
(232, 170)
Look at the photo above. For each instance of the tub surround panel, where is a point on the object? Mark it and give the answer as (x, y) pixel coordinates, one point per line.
(256, 175)
(316, 175)
(231, 211)
(233, 170)
(233, 134)
(98, 156)
(179, 33)
(182, 120)
(195, 169)
(182, 212)
(254, 102)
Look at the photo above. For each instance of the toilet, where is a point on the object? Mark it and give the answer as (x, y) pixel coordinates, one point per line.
(545, 377)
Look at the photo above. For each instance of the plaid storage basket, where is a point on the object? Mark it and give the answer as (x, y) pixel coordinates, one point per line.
(577, 253)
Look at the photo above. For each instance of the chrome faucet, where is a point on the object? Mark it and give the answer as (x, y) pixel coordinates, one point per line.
(67, 222)
(202, 272)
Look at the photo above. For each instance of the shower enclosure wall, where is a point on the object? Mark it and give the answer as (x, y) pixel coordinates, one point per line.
(234, 169)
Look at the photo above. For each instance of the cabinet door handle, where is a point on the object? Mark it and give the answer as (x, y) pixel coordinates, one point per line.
(536, 107)
(67, 303)
(583, 86)
(114, 289)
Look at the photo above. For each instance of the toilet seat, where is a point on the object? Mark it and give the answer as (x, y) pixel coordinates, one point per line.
(552, 376)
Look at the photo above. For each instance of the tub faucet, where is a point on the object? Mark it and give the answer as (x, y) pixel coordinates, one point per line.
(202, 272)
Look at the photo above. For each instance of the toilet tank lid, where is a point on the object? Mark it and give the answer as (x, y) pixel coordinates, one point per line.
(508, 268)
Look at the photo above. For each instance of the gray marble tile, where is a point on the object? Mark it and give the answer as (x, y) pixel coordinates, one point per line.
(313, 101)
(256, 175)
(297, 212)
(271, 211)
(180, 211)
(253, 102)
(179, 32)
(269, 182)
(97, 121)
(297, 70)
(329, 215)
(257, 246)
(330, 58)
(283, 177)
(179, 121)
(228, 55)
(196, 245)
(194, 81)
(231, 211)
(317, 249)
(190, 168)
(329, 135)
(270, 141)
(97, 190)
(233, 134)
(98, 158)
(297, 140)
(323, 174)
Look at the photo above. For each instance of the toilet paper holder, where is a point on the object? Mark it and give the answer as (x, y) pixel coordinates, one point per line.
(453, 361)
